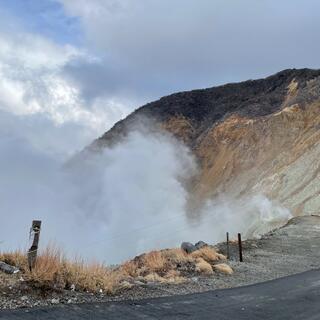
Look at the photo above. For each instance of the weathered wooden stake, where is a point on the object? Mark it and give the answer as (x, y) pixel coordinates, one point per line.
(240, 247)
(228, 251)
(32, 253)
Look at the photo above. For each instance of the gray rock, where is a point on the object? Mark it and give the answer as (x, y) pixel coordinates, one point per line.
(188, 247)
(55, 300)
(7, 268)
(200, 244)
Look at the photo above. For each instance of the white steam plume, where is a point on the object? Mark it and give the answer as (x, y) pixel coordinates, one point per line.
(126, 200)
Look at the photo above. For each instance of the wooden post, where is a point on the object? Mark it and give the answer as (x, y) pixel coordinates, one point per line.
(32, 253)
(240, 247)
(228, 250)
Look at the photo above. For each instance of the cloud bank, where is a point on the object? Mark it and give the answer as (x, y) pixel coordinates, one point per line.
(37, 96)
(152, 48)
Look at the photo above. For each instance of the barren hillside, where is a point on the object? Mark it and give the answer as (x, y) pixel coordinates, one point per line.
(258, 136)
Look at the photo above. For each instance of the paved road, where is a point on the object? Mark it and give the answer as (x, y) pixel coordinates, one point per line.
(294, 297)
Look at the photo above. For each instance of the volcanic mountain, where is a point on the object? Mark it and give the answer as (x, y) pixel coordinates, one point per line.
(258, 136)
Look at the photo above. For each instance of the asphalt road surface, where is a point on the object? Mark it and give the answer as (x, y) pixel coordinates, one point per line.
(293, 297)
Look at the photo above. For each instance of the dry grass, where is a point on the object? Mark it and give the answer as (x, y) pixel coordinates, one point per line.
(222, 267)
(15, 258)
(154, 261)
(177, 256)
(174, 276)
(208, 254)
(93, 277)
(54, 271)
(48, 271)
(203, 266)
(154, 277)
(130, 268)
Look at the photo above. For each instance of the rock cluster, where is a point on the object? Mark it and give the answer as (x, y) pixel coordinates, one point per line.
(188, 247)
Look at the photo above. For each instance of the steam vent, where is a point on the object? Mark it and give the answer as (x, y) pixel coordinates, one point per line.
(258, 136)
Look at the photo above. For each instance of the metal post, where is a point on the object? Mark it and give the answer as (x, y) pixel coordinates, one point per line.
(240, 247)
(228, 250)
(32, 253)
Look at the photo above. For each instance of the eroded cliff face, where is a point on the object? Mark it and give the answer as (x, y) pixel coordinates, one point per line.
(255, 137)
(276, 155)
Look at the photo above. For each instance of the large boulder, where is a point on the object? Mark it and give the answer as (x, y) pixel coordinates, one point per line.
(188, 247)
(200, 244)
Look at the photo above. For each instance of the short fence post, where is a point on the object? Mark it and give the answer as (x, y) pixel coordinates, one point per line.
(240, 247)
(32, 253)
(228, 250)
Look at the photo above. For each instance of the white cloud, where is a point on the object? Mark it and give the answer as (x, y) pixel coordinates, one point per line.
(33, 83)
(34, 52)
(30, 80)
(185, 44)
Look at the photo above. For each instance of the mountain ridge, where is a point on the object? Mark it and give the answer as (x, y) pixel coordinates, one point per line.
(257, 136)
(165, 107)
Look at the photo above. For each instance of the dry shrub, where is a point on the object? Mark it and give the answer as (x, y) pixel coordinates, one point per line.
(154, 261)
(173, 276)
(130, 268)
(208, 254)
(154, 277)
(203, 266)
(222, 267)
(176, 256)
(125, 285)
(48, 270)
(157, 266)
(54, 271)
(16, 259)
(91, 277)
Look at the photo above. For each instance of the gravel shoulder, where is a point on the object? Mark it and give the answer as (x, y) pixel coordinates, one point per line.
(294, 297)
(291, 249)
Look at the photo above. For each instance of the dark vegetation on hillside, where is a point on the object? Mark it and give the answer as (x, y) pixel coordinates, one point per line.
(205, 107)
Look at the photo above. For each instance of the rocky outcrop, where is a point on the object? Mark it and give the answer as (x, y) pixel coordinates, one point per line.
(258, 136)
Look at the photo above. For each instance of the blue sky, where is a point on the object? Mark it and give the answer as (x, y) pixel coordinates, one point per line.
(46, 17)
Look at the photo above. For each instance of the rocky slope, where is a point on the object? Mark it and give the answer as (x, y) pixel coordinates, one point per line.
(258, 136)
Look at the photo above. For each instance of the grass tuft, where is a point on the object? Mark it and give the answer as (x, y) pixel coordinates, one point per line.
(53, 271)
(203, 266)
(223, 267)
